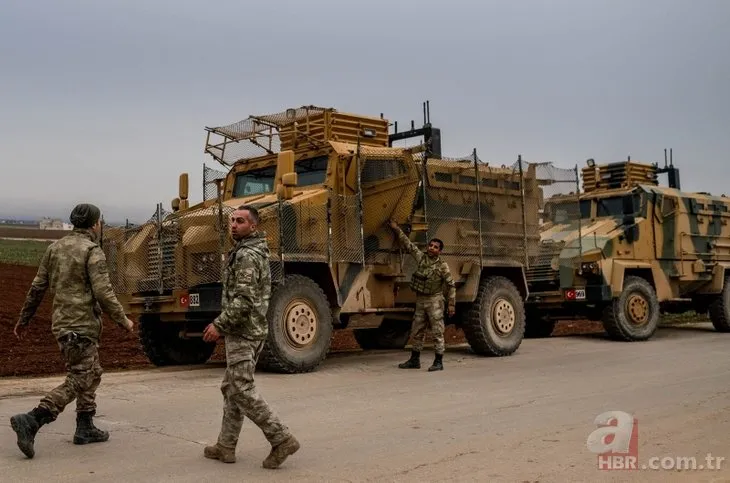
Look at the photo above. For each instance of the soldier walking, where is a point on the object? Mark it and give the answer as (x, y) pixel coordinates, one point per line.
(242, 321)
(428, 282)
(74, 270)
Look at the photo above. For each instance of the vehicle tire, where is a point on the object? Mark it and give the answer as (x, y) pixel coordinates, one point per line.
(300, 327)
(392, 334)
(633, 315)
(495, 323)
(163, 346)
(720, 309)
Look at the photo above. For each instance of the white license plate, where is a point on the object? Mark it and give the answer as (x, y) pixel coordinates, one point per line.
(580, 294)
(195, 300)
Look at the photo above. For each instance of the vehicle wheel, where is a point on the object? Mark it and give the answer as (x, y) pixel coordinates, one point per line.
(163, 346)
(300, 327)
(392, 334)
(720, 309)
(633, 315)
(495, 324)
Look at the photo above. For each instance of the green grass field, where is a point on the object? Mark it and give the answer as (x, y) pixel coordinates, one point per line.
(22, 252)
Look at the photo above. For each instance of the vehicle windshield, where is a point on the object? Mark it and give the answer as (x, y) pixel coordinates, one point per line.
(617, 206)
(310, 172)
(568, 211)
(254, 182)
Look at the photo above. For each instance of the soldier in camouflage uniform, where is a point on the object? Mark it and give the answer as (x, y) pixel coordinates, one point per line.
(428, 281)
(74, 270)
(242, 321)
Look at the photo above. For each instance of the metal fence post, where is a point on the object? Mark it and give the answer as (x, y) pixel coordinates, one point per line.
(329, 227)
(524, 216)
(161, 287)
(221, 227)
(424, 180)
(577, 195)
(479, 209)
(281, 237)
(360, 202)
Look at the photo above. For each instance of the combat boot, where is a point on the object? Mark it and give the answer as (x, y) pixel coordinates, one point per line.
(221, 453)
(86, 432)
(413, 363)
(26, 426)
(280, 452)
(438, 364)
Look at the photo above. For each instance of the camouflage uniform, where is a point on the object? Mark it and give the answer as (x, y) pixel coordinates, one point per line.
(74, 270)
(245, 301)
(428, 282)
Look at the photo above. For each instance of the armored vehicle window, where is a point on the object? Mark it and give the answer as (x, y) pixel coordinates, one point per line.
(311, 171)
(668, 206)
(617, 206)
(567, 211)
(380, 169)
(258, 181)
(254, 182)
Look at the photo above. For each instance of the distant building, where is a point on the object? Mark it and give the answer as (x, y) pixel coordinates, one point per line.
(54, 224)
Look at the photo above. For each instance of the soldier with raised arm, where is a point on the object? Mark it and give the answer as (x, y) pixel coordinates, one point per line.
(428, 281)
(74, 270)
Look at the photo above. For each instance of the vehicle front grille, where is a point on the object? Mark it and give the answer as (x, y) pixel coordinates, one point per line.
(161, 258)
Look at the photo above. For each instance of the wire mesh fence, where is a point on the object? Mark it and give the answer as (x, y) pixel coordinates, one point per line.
(347, 236)
(452, 207)
(304, 232)
(558, 206)
(211, 179)
(169, 251)
(483, 214)
(389, 181)
(264, 134)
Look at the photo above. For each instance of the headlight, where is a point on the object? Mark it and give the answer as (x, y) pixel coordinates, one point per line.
(590, 268)
(202, 262)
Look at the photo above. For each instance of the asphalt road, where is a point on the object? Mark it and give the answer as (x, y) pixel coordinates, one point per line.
(359, 418)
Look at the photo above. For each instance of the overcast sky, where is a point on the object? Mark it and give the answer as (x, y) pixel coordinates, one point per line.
(106, 101)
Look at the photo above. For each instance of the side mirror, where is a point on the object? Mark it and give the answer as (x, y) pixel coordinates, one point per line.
(289, 180)
(175, 204)
(286, 177)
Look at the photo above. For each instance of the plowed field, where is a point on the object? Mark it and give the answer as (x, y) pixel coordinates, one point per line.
(37, 354)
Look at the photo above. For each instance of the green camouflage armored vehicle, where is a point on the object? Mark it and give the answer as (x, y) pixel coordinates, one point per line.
(626, 250)
(326, 184)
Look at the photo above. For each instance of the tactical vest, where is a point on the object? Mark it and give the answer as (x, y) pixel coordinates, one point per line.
(427, 278)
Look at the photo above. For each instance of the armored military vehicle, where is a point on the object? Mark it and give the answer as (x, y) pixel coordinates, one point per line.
(326, 184)
(627, 249)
